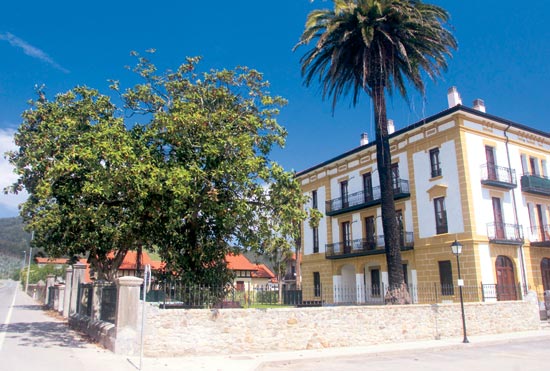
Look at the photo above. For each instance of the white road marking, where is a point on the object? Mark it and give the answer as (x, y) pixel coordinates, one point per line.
(8, 318)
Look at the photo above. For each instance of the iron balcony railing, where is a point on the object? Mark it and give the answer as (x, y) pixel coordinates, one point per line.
(365, 246)
(540, 236)
(498, 176)
(365, 198)
(537, 184)
(504, 233)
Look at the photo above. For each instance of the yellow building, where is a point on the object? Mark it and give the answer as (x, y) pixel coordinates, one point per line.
(461, 174)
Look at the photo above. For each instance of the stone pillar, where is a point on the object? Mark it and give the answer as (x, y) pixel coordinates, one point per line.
(61, 302)
(78, 277)
(68, 290)
(128, 315)
(50, 281)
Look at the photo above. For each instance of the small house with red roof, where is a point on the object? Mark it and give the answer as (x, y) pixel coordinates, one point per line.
(263, 276)
(243, 269)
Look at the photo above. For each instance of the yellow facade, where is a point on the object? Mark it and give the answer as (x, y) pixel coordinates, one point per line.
(460, 131)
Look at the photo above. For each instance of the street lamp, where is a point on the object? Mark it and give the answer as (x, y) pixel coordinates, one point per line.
(456, 247)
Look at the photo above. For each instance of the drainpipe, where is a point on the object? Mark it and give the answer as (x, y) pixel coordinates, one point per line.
(514, 204)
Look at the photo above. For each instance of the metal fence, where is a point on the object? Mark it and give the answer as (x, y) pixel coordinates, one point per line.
(103, 307)
(109, 295)
(418, 294)
(180, 295)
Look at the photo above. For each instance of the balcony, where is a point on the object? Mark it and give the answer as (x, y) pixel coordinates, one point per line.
(535, 184)
(364, 246)
(498, 176)
(540, 236)
(506, 234)
(362, 199)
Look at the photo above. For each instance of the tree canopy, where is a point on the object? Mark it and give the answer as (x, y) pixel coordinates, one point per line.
(182, 167)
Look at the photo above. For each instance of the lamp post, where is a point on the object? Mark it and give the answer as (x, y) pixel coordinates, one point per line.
(456, 247)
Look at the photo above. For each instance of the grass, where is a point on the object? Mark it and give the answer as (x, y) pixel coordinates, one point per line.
(267, 306)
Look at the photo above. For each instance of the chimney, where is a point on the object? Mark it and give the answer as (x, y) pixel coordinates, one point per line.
(453, 97)
(391, 126)
(479, 105)
(364, 139)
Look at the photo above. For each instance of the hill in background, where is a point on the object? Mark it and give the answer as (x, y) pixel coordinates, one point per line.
(14, 240)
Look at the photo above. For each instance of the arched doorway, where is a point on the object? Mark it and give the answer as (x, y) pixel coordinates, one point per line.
(506, 282)
(545, 271)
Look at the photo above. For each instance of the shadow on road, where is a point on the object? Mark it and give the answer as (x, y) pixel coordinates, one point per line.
(43, 334)
(30, 307)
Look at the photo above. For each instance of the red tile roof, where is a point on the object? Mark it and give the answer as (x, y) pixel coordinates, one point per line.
(51, 260)
(130, 261)
(262, 272)
(239, 263)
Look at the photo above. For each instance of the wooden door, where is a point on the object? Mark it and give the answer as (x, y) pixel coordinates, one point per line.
(370, 233)
(491, 165)
(545, 270)
(346, 237)
(375, 282)
(506, 282)
(499, 223)
(395, 178)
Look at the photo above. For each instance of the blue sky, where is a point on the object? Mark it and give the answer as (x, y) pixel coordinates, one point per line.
(503, 58)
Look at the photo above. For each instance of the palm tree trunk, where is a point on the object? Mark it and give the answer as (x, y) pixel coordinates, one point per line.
(397, 293)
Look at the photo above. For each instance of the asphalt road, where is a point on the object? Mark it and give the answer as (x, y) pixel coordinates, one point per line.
(522, 355)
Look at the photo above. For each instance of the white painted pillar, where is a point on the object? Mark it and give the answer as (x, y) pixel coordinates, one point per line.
(414, 286)
(337, 288)
(385, 283)
(360, 287)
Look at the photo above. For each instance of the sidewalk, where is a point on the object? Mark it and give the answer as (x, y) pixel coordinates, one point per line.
(36, 340)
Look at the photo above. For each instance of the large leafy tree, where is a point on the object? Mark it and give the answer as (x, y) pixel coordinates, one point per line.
(217, 191)
(87, 178)
(375, 46)
(189, 176)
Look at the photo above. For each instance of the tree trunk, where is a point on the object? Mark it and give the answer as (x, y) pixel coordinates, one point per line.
(298, 266)
(397, 292)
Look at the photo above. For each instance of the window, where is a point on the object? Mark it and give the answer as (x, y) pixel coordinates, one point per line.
(346, 237)
(240, 286)
(499, 221)
(440, 215)
(370, 233)
(533, 166)
(315, 240)
(491, 163)
(344, 193)
(446, 278)
(314, 199)
(395, 178)
(375, 282)
(524, 167)
(316, 284)
(367, 187)
(434, 162)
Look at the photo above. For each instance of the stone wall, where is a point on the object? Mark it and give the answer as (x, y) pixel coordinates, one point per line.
(101, 332)
(177, 332)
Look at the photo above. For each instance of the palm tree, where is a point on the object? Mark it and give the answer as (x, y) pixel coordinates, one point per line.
(374, 46)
